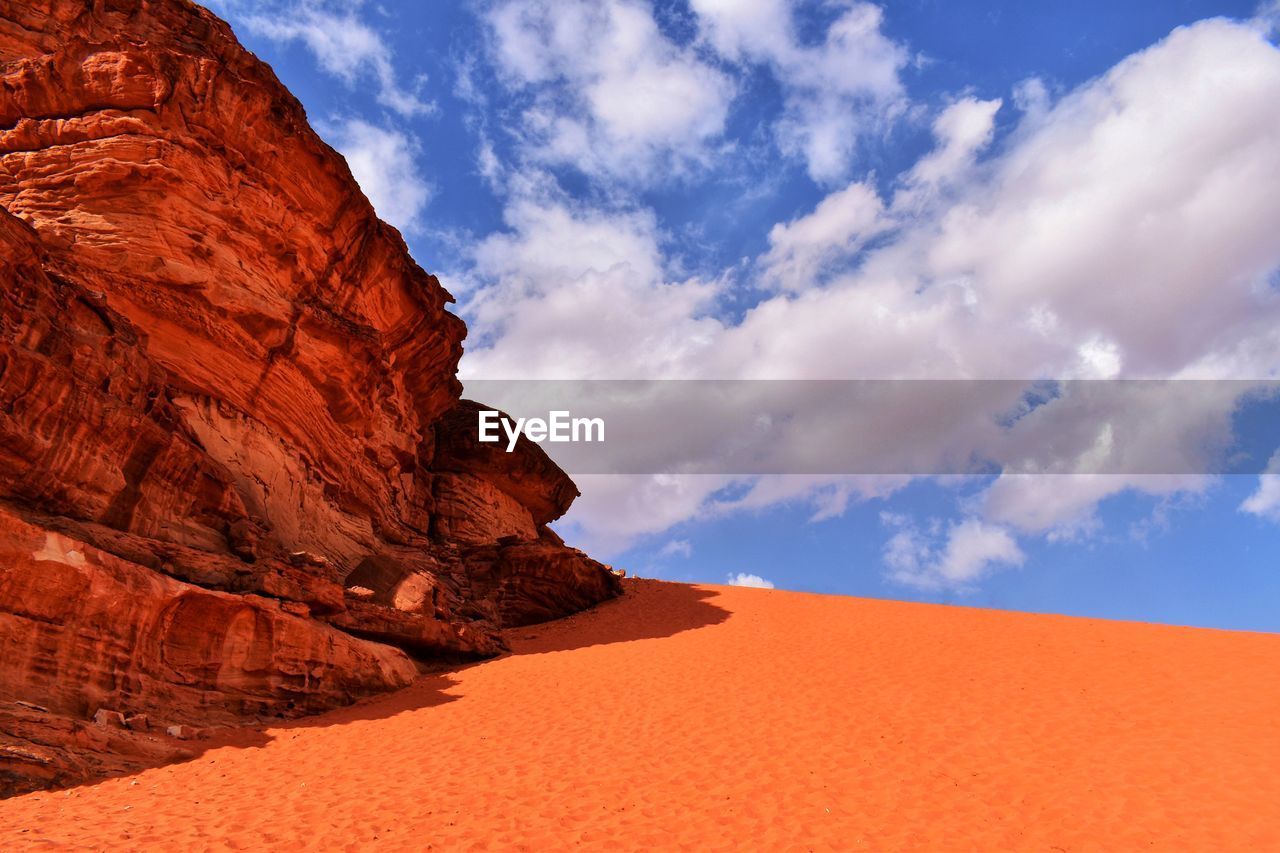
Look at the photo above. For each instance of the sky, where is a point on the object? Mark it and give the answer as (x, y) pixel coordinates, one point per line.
(757, 189)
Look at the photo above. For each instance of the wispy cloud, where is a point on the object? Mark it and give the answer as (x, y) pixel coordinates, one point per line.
(343, 43)
(1118, 231)
(1265, 502)
(836, 91)
(954, 558)
(809, 247)
(384, 164)
(1267, 17)
(677, 547)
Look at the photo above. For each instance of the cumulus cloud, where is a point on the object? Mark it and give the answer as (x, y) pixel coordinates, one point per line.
(609, 93)
(962, 130)
(952, 559)
(383, 162)
(1125, 230)
(802, 250)
(744, 579)
(1118, 236)
(835, 91)
(342, 42)
(615, 510)
(573, 291)
(1265, 502)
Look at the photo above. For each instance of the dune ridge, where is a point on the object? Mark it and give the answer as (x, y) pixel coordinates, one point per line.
(702, 717)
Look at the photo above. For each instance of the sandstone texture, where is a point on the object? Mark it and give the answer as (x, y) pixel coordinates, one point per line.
(236, 477)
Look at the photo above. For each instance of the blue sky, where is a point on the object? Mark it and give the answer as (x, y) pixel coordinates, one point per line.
(761, 189)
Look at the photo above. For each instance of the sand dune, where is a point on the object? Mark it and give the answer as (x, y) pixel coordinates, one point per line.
(723, 718)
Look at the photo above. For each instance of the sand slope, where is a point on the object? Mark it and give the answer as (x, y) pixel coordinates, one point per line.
(723, 718)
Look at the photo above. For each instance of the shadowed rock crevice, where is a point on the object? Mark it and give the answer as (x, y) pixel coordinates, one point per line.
(236, 478)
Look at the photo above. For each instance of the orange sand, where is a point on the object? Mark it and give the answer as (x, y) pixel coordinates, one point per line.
(724, 718)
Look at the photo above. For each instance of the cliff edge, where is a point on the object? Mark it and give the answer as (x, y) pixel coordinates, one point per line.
(236, 478)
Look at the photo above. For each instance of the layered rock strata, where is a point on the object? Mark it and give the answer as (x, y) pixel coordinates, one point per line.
(236, 478)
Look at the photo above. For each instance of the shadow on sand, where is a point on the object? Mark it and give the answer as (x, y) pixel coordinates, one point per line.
(648, 610)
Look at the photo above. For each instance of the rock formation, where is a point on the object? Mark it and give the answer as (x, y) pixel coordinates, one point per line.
(236, 479)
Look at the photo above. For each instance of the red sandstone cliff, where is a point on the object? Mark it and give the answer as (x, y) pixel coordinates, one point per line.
(233, 480)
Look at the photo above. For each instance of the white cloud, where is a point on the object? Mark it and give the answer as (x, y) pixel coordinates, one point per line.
(744, 579)
(616, 510)
(1267, 17)
(1125, 230)
(972, 550)
(835, 91)
(962, 130)
(611, 95)
(383, 163)
(1031, 96)
(1265, 502)
(803, 249)
(576, 292)
(829, 495)
(343, 44)
(677, 547)
(1064, 506)
(1128, 221)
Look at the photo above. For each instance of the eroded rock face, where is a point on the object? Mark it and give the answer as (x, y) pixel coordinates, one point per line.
(527, 474)
(86, 631)
(236, 479)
